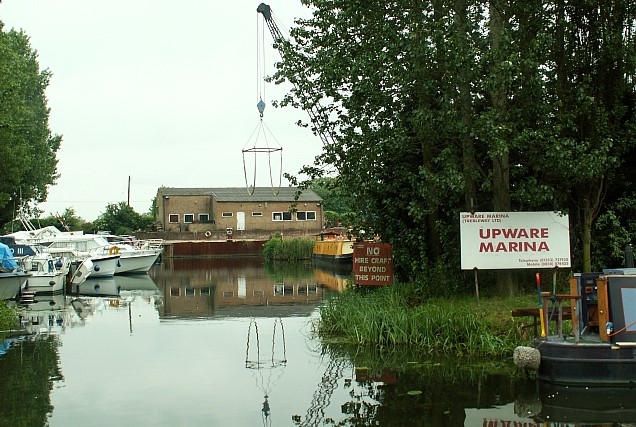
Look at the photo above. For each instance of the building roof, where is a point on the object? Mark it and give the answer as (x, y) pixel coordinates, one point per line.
(241, 194)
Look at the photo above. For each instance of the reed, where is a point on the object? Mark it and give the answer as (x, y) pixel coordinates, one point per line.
(296, 248)
(384, 318)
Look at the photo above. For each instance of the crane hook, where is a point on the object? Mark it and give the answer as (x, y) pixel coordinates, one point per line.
(261, 107)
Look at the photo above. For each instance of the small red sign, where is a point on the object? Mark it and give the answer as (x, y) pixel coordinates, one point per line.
(373, 263)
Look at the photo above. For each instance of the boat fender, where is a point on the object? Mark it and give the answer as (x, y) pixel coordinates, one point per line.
(208, 233)
(113, 250)
(527, 357)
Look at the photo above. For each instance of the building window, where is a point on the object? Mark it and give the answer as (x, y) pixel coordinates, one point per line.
(204, 217)
(189, 218)
(306, 216)
(173, 218)
(257, 213)
(281, 216)
(227, 214)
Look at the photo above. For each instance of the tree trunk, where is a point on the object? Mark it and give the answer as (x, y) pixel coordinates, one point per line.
(501, 161)
(469, 164)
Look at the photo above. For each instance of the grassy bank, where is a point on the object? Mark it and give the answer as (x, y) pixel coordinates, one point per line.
(297, 248)
(383, 317)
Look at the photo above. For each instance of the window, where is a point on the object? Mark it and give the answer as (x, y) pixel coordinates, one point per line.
(257, 213)
(189, 218)
(305, 216)
(281, 216)
(227, 214)
(173, 218)
(204, 217)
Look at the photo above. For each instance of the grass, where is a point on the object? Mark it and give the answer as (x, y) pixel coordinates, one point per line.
(459, 326)
(297, 248)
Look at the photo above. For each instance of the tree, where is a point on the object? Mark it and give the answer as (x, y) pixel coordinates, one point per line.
(122, 219)
(27, 146)
(448, 105)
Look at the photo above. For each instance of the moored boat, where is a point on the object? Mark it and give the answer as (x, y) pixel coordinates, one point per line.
(48, 273)
(11, 282)
(333, 246)
(601, 351)
(12, 277)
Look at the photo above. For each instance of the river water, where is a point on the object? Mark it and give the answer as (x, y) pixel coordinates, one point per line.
(229, 342)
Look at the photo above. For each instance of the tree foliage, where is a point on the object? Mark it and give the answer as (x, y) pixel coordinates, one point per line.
(443, 106)
(119, 218)
(27, 146)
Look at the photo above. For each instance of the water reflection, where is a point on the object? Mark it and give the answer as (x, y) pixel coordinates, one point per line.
(242, 353)
(235, 287)
(566, 405)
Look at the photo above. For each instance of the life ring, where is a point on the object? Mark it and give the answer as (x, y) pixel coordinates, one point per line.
(208, 233)
(113, 250)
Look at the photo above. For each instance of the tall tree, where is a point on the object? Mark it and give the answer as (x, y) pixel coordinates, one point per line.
(27, 146)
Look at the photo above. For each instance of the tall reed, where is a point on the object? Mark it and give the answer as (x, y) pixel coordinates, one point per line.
(296, 248)
(384, 318)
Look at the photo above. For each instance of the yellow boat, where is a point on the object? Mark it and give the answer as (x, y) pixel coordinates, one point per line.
(334, 246)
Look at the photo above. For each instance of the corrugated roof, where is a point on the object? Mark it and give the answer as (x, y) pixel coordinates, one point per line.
(240, 194)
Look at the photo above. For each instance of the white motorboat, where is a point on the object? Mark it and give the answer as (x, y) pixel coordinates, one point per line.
(136, 256)
(82, 272)
(48, 273)
(11, 282)
(12, 277)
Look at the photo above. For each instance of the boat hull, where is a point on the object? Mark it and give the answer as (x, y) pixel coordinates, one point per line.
(12, 283)
(105, 266)
(596, 364)
(46, 284)
(333, 251)
(136, 263)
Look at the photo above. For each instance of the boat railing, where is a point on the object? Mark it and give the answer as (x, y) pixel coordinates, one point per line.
(552, 311)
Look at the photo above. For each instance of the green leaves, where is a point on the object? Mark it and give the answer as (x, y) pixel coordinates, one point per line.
(434, 108)
(27, 147)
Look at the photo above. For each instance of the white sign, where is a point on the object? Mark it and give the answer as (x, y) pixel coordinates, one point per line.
(505, 240)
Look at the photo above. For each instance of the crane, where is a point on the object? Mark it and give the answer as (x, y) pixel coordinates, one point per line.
(316, 115)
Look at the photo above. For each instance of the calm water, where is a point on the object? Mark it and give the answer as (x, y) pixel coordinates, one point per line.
(229, 343)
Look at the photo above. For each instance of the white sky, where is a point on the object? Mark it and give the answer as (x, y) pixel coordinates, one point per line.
(163, 92)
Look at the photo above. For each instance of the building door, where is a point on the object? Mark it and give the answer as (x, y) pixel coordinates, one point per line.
(240, 221)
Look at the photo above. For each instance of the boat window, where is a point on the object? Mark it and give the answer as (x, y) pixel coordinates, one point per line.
(174, 218)
(188, 218)
(227, 214)
(204, 217)
(257, 213)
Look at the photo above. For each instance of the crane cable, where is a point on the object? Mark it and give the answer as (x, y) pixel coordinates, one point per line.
(261, 128)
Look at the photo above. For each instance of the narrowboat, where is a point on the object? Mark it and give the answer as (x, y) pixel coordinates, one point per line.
(333, 246)
(601, 349)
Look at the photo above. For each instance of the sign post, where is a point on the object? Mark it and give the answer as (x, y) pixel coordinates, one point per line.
(373, 264)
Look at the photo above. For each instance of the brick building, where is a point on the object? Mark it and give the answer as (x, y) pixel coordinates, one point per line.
(217, 209)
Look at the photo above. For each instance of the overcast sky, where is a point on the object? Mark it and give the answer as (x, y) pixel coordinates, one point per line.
(160, 91)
